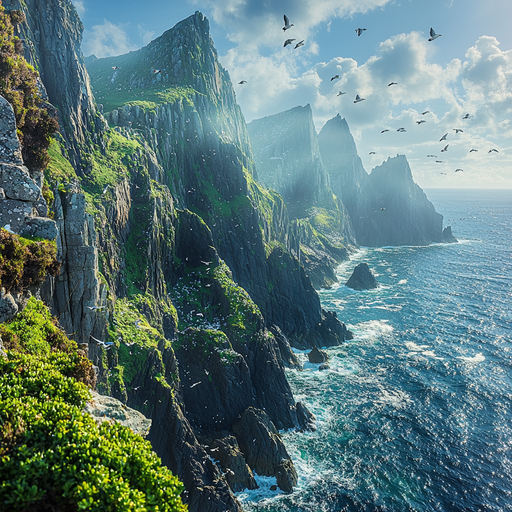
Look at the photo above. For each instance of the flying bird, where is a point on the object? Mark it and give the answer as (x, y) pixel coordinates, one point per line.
(288, 41)
(457, 130)
(439, 162)
(392, 83)
(426, 112)
(335, 77)
(299, 44)
(443, 173)
(431, 156)
(433, 34)
(156, 71)
(242, 82)
(473, 150)
(459, 170)
(103, 344)
(493, 151)
(372, 153)
(115, 67)
(386, 130)
(340, 93)
(358, 99)
(422, 121)
(287, 23)
(443, 137)
(467, 116)
(359, 31)
(382, 209)
(95, 308)
(401, 130)
(445, 148)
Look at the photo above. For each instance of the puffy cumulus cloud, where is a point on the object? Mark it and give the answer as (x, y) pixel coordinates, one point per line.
(258, 23)
(79, 6)
(106, 40)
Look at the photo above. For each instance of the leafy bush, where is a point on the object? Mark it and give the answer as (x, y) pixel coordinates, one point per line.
(25, 263)
(18, 85)
(55, 457)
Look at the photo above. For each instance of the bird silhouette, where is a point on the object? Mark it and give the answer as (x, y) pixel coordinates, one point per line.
(383, 131)
(457, 130)
(392, 83)
(422, 121)
(299, 44)
(443, 137)
(288, 41)
(335, 77)
(340, 93)
(358, 99)
(359, 31)
(445, 148)
(433, 35)
(242, 82)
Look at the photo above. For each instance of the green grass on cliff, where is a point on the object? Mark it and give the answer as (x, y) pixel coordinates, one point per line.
(59, 168)
(51, 453)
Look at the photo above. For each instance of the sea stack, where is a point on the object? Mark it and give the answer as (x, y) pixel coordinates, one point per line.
(362, 278)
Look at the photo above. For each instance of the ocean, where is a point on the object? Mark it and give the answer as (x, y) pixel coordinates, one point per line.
(415, 413)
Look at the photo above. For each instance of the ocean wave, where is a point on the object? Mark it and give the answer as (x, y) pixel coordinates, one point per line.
(478, 358)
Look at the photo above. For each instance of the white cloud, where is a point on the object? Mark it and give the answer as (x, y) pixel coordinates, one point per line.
(106, 40)
(146, 35)
(79, 6)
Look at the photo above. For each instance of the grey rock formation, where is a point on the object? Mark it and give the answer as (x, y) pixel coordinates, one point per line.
(447, 236)
(362, 278)
(21, 201)
(105, 408)
(263, 448)
(318, 356)
(386, 207)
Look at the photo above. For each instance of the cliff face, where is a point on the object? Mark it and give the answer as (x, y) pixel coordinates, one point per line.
(172, 251)
(385, 207)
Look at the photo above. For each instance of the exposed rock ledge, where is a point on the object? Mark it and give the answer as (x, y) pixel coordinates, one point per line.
(105, 408)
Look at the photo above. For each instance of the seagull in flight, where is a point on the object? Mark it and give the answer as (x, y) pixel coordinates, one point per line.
(392, 83)
(459, 170)
(433, 34)
(473, 150)
(383, 131)
(457, 130)
(467, 116)
(439, 162)
(426, 112)
(443, 137)
(372, 153)
(299, 44)
(401, 130)
(445, 148)
(115, 67)
(431, 156)
(95, 308)
(103, 344)
(358, 99)
(340, 93)
(422, 121)
(359, 31)
(493, 151)
(443, 173)
(288, 41)
(335, 77)
(242, 82)
(287, 23)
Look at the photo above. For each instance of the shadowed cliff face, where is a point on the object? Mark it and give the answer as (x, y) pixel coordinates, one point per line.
(385, 207)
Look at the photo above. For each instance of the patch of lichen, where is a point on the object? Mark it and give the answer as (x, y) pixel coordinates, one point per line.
(18, 85)
(25, 263)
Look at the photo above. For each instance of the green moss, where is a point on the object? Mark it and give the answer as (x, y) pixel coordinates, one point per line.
(25, 263)
(59, 168)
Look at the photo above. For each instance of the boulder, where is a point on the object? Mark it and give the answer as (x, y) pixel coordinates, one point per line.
(324, 366)
(447, 236)
(317, 356)
(362, 278)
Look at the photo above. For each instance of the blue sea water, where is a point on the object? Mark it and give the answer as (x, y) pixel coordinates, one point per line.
(415, 413)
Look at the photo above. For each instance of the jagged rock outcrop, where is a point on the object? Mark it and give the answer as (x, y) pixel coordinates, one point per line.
(447, 236)
(263, 448)
(52, 35)
(317, 356)
(362, 278)
(386, 207)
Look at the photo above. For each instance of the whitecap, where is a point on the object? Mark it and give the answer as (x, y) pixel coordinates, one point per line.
(402, 281)
(430, 353)
(414, 347)
(476, 359)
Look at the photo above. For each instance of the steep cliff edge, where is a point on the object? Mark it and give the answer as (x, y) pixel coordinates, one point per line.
(386, 207)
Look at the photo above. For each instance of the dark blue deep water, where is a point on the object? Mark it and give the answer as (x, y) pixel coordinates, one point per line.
(415, 413)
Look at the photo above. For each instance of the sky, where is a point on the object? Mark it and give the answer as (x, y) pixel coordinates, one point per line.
(468, 70)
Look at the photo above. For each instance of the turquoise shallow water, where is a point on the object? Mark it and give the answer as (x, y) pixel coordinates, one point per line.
(415, 413)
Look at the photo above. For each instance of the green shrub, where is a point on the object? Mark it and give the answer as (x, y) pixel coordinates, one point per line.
(55, 457)
(25, 263)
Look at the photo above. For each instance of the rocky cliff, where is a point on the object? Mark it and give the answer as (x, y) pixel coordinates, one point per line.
(386, 207)
(174, 253)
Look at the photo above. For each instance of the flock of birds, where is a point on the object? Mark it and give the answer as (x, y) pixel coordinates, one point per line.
(358, 99)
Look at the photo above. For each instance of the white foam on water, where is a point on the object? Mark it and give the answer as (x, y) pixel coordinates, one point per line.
(261, 495)
(429, 353)
(371, 329)
(415, 348)
(402, 281)
(476, 359)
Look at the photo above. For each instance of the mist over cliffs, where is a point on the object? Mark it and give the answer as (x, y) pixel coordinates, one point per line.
(385, 207)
